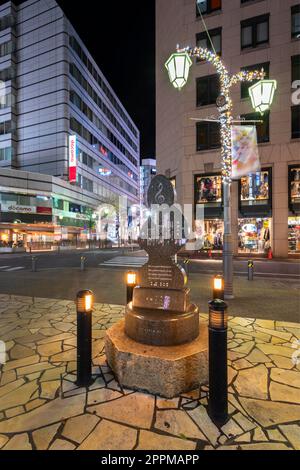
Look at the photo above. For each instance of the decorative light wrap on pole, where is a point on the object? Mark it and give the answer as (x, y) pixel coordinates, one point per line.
(224, 101)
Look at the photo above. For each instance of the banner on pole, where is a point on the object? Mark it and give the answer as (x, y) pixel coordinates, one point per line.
(245, 156)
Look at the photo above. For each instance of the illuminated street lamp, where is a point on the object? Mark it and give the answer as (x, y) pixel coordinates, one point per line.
(262, 94)
(84, 307)
(178, 67)
(131, 283)
(218, 289)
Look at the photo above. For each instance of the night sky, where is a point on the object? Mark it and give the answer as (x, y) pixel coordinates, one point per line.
(120, 35)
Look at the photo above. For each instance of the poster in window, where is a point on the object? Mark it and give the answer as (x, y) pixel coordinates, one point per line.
(208, 189)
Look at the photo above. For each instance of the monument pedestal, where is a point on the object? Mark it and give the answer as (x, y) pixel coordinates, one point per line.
(161, 370)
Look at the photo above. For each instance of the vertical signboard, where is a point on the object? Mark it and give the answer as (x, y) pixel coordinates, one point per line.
(72, 158)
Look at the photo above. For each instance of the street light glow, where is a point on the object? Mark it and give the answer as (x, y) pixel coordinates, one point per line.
(262, 94)
(178, 66)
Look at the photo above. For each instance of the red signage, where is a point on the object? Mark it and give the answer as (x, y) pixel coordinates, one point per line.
(72, 159)
(44, 210)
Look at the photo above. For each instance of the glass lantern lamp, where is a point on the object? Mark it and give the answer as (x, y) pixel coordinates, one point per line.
(178, 67)
(262, 94)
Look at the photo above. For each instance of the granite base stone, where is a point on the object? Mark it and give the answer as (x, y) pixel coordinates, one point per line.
(166, 371)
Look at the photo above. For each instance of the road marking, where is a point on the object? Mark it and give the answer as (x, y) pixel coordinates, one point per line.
(4, 267)
(17, 268)
(125, 261)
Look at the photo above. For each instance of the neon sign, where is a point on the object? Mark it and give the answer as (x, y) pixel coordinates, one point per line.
(72, 158)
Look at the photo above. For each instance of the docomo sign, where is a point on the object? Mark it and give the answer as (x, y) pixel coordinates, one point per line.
(18, 209)
(72, 159)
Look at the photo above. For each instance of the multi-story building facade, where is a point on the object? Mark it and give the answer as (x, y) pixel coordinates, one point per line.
(147, 173)
(60, 118)
(247, 34)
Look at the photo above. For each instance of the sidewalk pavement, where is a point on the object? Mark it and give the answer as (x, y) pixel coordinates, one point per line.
(41, 407)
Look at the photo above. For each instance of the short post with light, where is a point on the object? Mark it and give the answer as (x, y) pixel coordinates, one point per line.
(218, 289)
(250, 270)
(218, 374)
(84, 306)
(131, 283)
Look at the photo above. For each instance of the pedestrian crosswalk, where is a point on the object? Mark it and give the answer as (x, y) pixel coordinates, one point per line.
(9, 269)
(125, 262)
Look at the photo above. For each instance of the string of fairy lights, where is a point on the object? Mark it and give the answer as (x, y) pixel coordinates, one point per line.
(225, 107)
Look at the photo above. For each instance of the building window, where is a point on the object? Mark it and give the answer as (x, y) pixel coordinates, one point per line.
(207, 6)
(208, 135)
(296, 122)
(294, 183)
(208, 90)
(263, 129)
(7, 22)
(246, 85)
(295, 68)
(295, 21)
(208, 189)
(255, 188)
(6, 48)
(203, 41)
(255, 31)
(5, 154)
(5, 127)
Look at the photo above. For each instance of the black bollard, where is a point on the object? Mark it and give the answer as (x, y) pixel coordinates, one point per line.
(33, 263)
(218, 287)
(84, 304)
(250, 270)
(82, 263)
(218, 376)
(131, 283)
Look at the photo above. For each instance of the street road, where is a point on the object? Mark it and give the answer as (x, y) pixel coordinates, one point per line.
(274, 293)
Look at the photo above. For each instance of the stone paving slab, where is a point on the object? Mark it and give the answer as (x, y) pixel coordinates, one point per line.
(41, 407)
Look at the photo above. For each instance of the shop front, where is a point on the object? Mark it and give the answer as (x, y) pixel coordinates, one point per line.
(294, 208)
(255, 225)
(209, 196)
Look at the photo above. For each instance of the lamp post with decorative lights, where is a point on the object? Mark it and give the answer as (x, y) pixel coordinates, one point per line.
(262, 94)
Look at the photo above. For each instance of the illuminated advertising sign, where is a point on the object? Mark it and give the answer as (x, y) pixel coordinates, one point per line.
(72, 158)
(104, 172)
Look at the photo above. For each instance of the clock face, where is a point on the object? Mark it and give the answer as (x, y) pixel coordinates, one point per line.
(221, 101)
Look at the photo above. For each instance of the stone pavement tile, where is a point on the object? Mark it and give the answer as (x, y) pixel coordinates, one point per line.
(136, 410)
(275, 435)
(244, 348)
(19, 397)
(43, 437)
(99, 383)
(50, 349)
(279, 334)
(65, 356)
(231, 374)
(19, 442)
(253, 382)
(10, 387)
(203, 421)
(286, 377)
(177, 423)
(280, 392)
(40, 367)
(52, 412)
(55, 338)
(242, 364)
(268, 413)
(110, 436)
(49, 389)
(166, 403)
(52, 374)
(61, 326)
(34, 404)
(3, 440)
(292, 432)
(259, 435)
(21, 362)
(232, 429)
(244, 438)
(244, 422)
(152, 441)
(61, 444)
(282, 362)
(265, 446)
(265, 323)
(241, 322)
(19, 352)
(102, 395)
(77, 429)
(14, 411)
(257, 356)
(49, 331)
(276, 350)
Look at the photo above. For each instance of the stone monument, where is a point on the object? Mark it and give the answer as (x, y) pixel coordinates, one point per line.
(160, 346)
(161, 313)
